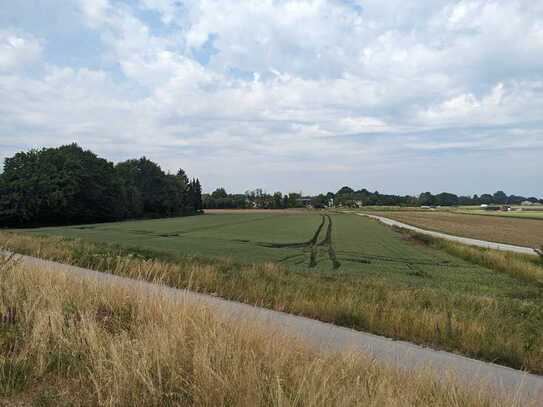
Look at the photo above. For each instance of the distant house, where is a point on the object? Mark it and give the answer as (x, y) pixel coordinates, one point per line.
(526, 203)
(484, 206)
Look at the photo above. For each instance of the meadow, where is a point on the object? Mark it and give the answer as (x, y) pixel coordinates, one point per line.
(66, 341)
(526, 232)
(338, 268)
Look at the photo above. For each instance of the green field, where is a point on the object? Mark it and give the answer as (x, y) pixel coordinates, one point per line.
(301, 241)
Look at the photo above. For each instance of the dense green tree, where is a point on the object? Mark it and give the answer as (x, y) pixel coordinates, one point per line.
(499, 197)
(345, 191)
(67, 185)
(446, 199)
(59, 185)
(319, 201)
(293, 200)
(426, 199)
(486, 199)
(219, 193)
(277, 200)
(197, 196)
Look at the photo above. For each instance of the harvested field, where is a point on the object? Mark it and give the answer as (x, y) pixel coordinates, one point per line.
(524, 214)
(521, 232)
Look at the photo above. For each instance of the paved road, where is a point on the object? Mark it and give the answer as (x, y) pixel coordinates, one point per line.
(328, 337)
(465, 240)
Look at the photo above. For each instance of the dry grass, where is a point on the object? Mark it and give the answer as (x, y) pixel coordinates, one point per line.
(77, 342)
(489, 326)
(522, 232)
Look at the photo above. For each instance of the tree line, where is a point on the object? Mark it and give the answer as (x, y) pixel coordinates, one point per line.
(69, 185)
(347, 196)
(220, 199)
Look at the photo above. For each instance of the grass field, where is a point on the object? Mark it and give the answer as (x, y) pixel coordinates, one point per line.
(344, 269)
(70, 342)
(522, 232)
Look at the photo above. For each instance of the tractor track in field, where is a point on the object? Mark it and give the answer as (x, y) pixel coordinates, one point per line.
(174, 233)
(295, 245)
(327, 241)
(312, 246)
(360, 257)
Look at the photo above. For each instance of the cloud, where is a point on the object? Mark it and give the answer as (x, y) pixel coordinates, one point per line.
(18, 51)
(284, 94)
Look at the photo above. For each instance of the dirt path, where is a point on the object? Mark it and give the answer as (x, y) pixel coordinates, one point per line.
(328, 337)
(464, 240)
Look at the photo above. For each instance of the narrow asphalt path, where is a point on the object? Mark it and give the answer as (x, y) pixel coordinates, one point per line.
(327, 337)
(464, 240)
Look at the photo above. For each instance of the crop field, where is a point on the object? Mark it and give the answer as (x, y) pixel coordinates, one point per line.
(307, 241)
(522, 232)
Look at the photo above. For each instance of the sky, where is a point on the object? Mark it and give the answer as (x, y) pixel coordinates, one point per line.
(399, 96)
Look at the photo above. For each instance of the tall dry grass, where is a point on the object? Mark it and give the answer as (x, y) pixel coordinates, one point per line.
(496, 328)
(79, 342)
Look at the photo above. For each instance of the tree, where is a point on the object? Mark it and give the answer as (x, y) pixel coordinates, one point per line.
(426, 199)
(149, 179)
(293, 198)
(67, 185)
(197, 196)
(285, 201)
(219, 193)
(319, 201)
(59, 185)
(486, 199)
(500, 197)
(446, 199)
(277, 200)
(345, 191)
(182, 175)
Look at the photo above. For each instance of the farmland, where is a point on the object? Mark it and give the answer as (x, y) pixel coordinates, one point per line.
(339, 268)
(296, 240)
(522, 232)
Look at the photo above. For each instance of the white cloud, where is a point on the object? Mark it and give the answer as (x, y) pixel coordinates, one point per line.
(284, 81)
(18, 51)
